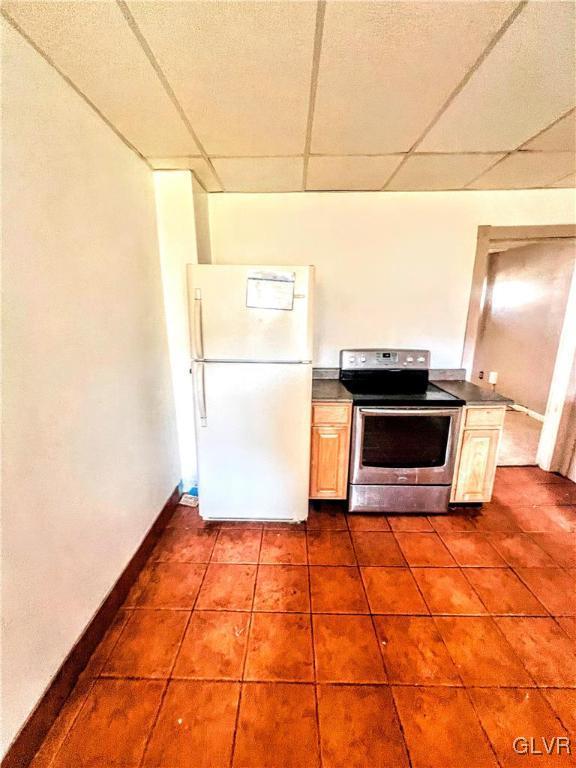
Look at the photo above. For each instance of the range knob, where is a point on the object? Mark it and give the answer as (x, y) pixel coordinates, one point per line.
(409, 359)
(421, 359)
(351, 360)
(363, 358)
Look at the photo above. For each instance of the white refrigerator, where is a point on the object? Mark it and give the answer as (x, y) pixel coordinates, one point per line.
(251, 337)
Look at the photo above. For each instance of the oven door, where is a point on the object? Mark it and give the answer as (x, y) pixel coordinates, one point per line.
(404, 446)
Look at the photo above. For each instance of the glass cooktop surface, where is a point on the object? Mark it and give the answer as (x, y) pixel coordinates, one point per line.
(365, 394)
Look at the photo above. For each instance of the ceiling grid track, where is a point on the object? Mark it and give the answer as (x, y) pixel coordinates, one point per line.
(320, 15)
(519, 149)
(564, 176)
(14, 24)
(131, 21)
(477, 64)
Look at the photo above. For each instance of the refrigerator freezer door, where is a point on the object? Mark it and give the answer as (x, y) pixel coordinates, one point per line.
(223, 327)
(254, 447)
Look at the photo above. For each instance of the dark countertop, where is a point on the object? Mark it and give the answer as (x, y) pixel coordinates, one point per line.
(329, 389)
(472, 394)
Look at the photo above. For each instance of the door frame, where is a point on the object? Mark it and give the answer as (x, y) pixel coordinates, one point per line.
(558, 418)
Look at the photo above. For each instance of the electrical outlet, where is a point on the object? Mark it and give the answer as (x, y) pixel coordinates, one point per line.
(480, 374)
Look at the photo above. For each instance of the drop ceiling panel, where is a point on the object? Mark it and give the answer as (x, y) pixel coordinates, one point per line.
(527, 169)
(260, 174)
(567, 181)
(525, 83)
(350, 172)
(241, 70)
(560, 137)
(92, 44)
(200, 167)
(430, 172)
(387, 68)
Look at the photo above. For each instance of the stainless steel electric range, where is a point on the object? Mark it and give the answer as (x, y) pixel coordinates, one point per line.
(404, 432)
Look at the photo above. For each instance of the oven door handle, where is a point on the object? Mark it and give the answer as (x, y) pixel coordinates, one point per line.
(401, 411)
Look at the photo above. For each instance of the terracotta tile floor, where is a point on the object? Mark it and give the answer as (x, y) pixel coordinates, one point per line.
(367, 641)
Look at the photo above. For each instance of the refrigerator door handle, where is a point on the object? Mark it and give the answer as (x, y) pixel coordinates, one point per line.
(198, 340)
(200, 391)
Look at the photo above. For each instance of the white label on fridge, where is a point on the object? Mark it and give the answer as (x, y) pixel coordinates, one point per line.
(270, 290)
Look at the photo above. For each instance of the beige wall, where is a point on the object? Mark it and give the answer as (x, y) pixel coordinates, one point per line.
(526, 294)
(182, 239)
(391, 268)
(201, 222)
(89, 443)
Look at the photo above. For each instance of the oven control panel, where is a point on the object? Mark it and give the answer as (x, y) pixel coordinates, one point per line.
(381, 359)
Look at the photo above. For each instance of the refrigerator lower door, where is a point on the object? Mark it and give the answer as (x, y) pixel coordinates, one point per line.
(253, 436)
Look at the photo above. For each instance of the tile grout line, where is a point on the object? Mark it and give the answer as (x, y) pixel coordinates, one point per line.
(461, 85)
(490, 613)
(384, 667)
(446, 614)
(148, 52)
(555, 561)
(168, 679)
(14, 24)
(101, 673)
(318, 34)
(514, 654)
(314, 671)
(481, 724)
(466, 687)
(245, 654)
(529, 588)
(347, 683)
(565, 724)
(452, 565)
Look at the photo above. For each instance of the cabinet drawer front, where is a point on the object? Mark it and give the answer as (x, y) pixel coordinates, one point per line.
(484, 417)
(331, 413)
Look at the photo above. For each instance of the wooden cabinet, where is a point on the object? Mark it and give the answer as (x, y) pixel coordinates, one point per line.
(477, 454)
(330, 450)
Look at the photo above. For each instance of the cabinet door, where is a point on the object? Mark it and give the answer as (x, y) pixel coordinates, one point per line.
(329, 462)
(477, 465)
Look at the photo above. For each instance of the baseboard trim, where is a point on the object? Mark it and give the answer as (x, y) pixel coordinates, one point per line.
(36, 727)
(527, 411)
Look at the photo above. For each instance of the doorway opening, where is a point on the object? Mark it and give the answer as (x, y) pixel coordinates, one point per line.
(521, 337)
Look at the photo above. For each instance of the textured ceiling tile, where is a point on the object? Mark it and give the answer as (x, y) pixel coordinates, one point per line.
(567, 181)
(197, 164)
(430, 172)
(527, 169)
(241, 70)
(350, 172)
(92, 44)
(387, 68)
(260, 174)
(525, 83)
(560, 137)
